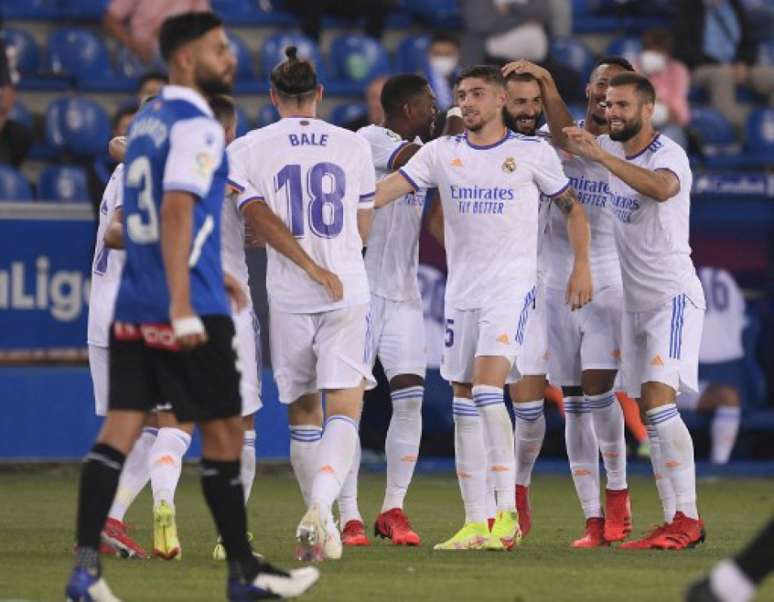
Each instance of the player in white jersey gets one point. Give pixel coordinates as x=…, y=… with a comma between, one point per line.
x=397, y=321
x=584, y=346
x=649, y=186
x=319, y=179
x=489, y=181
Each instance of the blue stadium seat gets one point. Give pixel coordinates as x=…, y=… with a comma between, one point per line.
x=77, y=125
x=82, y=55
x=21, y=114
x=27, y=54
x=766, y=53
x=84, y=9
x=759, y=137
x=13, y=185
x=267, y=115
x=713, y=132
x=625, y=46
x=440, y=14
x=244, y=69
x=273, y=51
x=346, y=112
x=573, y=54
x=411, y=54
x=358, y=59
x=242, y=122
x=65, y=183
x=38, y=10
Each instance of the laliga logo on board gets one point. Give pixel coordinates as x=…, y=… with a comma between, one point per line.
x=509, y=165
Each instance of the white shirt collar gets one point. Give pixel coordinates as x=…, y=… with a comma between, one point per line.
x=171, y=92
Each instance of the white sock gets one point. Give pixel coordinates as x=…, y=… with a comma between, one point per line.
x=499, y=442
x=730, y=584
x=677, y=453
x=529, y=432
x=247, y=468
x=724, y=428
x=583, y=453
x=135, y=474
x=348, y=509
x=470, y=458
x=491, y=496
x=608, y=420
x=304, y=440
x=335, y=454
x=166, y=463
x=663, y=484
x=402, y=444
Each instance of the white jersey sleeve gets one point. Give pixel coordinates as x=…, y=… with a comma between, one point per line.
x=549, y=174
x=385, y=146
x=367, y=179
x=238, y=161
x=725, y=320
x=195, y=152
x=420, y=171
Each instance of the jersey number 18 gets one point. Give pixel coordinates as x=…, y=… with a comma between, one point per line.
x=326, y=184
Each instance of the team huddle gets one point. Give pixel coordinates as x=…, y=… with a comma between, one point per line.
x=568, y=259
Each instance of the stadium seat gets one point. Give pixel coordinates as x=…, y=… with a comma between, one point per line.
x=411, y=54
x=358, y=59
x=27, y=54
x=65, y=183
x=31, y=9
x=439, y=14
x=244, y=69
x=759, y=137
x=13, y=185
x=21, y=114
x=273, y=51
x=77, y=125
x=84, y=9
x=627, y=47
x=349, y=111
x=573, y=54
x=82, y=55
x=713, y=132
x=267, y=115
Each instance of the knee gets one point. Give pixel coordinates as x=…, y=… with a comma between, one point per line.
x=405, y=381
x=728, y=396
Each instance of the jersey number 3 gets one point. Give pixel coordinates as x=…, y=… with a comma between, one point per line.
x=326, y=185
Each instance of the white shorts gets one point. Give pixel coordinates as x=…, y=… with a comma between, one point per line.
x=662, y=345
x=248, y=340
x=585, y=339
x=398, y=336
x=690, y=400
x=315, y=352
x=99, y=366
x=533, y=357
x=497, y=329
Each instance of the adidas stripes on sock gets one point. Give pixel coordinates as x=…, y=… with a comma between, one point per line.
x=247, y=469
x=470, y=458
x=304, y=440
x=166, y=463
x=608, y=420
x=402, y=444
x=529, y=433
x=498, y=434
x=583, y=453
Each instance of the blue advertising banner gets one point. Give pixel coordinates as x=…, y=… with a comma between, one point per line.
x=45, y=264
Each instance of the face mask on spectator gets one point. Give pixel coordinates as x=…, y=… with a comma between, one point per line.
x=443, y=65
x=652, y=61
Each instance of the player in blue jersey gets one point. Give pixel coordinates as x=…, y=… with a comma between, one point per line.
x=172, y=336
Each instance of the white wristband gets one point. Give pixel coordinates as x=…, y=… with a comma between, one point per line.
x=187, y=326
x=454, y=112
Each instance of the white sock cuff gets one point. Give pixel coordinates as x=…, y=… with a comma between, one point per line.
x=408, y=394
x=177, y=433
x=305, y=433
x=599, y=402
x=345, y=419
x=575, y=404
x=249, y=438
x=529, y=410
x=487, y=395
x=728, y=412
x=462, y=406
x=662, y=414
x=728, y=582
x=150, y=431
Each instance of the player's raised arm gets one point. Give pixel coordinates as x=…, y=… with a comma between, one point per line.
x=390, y=188
x=435, y=218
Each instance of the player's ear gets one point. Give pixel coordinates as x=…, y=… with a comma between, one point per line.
x=273, y=97
x=318, y=93
x=646, y=110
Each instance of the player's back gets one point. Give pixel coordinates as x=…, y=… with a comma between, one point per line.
x=174, y=145
x=315, y=177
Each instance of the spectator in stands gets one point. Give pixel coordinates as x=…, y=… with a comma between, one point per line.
x=443, y=59
x=150, y=84
x=671, y=80
x=103, y=166
x=15, y=137
x=136, y=23
x=373, y=99
x=311, y=13
x=499, y=31
x=715, y=40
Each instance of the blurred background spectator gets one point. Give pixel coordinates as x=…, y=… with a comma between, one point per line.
x=15, y=137
x=373, y=99
x=104, y=164
x=150, y=84
x=311, y=13
x=715, y=40
x=671, y=80
x=443, y=65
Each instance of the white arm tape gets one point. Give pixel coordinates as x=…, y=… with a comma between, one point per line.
x=187, y=326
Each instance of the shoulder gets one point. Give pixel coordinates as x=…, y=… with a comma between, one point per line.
x=664, y=148
x=377, y=134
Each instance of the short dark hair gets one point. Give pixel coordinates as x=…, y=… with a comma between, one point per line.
x=149, y=75
x=642, y=86
x=181, y=29
x=294, y=77
x=489, y=73
x=521, y=77
x=445, y=37
x=401, y=89
x=122, y=112
x=223, y=107
x=614, y=60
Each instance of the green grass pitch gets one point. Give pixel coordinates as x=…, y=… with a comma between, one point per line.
x=37, y=521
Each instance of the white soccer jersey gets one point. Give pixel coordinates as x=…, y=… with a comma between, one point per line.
x=392, y=256
x=106, y=266
x=725, y=320
x=232, y=240
x=490, y=198
x=589, y=180
x=315, y=177
x=652, y=236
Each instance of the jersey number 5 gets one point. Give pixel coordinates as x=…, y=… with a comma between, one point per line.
x=326, y=185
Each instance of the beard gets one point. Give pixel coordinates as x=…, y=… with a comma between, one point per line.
x=600, y=121
x=212, y=85
x=512, y=123
x=629, y=131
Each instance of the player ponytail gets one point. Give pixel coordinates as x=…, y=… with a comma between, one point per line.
x=294, y=78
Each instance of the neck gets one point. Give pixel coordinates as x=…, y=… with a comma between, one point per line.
x=177, y=78
x=492, y=132
x=640, y=142
x=399, y=126
x=304, y=110
x=590, y=125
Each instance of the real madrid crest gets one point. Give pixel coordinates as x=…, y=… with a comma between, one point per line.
x=509, y=165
